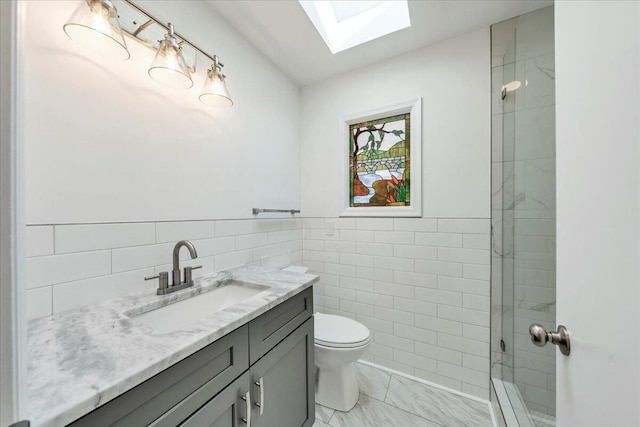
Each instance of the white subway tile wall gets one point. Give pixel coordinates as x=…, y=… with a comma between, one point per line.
x=73, y=265
x=39, y=240
x=72, y=238
x=421, y=285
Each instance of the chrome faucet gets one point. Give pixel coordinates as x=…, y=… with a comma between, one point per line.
x=177, y=284
x=176, y=260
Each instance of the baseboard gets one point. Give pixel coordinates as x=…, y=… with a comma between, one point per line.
x=431, y=384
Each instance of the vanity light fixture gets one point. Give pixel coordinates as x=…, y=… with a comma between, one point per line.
x=94, y=25
x=97, y=24
x=215, y=92
x=168, y=67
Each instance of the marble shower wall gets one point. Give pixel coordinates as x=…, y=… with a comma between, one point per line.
x=523, y=204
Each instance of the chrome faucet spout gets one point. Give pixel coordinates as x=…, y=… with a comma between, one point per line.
x=176, y=252
x=177, y=284
x=176, y=258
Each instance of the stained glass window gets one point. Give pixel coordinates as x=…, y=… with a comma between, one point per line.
x=380, y=162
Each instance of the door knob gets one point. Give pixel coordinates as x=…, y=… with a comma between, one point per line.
x=539, y=336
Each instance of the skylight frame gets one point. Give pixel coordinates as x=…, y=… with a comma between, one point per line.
x=384, y=18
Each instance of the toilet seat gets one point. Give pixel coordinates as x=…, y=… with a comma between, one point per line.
x=339, y=332
x=343, y=346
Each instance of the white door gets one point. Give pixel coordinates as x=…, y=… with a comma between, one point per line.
x=12, y=316
x=598, y=211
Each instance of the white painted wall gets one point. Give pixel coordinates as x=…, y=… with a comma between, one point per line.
x=106, y=143
x=453, y=79
x=598, y=159
x=421, y=285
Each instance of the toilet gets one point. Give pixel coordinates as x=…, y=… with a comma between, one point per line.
x=339, y=342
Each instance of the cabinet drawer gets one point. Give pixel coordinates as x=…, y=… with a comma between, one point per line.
x=273, y=326
x=207, y=371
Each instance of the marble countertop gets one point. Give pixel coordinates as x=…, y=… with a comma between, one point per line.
x=82, y=358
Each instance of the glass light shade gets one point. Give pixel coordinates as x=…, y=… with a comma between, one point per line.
x=169, y=67
x=94, y=25
x=215, y=92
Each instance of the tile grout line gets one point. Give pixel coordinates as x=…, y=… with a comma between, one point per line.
x=330, y=418
x=386, y=392
x=436, y=422
x=405, y=411
x=52, y=297
x=51, y=301
x=427, y=383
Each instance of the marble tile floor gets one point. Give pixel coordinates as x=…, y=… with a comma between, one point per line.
x=395, y=401
x=542, y=420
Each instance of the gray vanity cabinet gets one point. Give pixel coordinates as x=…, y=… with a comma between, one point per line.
x=261, y=374
x=281, y=384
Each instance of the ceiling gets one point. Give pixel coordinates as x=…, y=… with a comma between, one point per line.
x=284, y=33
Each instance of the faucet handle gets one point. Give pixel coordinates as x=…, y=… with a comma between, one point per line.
x=187, y=273
x=164, y=279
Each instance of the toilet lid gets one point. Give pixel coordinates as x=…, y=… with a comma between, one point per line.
x=338, y=331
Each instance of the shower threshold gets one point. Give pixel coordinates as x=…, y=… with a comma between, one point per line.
x=514, y=409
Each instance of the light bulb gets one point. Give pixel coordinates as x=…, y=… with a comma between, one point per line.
x=168, y=66
x=94, y=25
x=214, y=91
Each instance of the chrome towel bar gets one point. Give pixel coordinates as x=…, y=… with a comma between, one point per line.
x=256, y=211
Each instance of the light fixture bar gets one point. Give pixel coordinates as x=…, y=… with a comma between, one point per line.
x=152, y=43
x=142, y=28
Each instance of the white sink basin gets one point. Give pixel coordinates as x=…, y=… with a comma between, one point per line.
x=180, y=314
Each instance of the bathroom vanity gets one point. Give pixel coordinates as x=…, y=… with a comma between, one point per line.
x=250, y=363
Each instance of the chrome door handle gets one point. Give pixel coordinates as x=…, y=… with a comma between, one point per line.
x=247, y=403
x=539, y=336
x=260, y=384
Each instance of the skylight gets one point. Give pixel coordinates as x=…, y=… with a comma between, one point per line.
x=345, y=24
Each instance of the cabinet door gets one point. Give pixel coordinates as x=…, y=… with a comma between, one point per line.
x=227, y=409
x=282, y=382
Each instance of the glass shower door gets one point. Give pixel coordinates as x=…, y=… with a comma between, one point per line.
x=523, y=215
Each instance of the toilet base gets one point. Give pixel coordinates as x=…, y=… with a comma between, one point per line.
x=337, y=388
